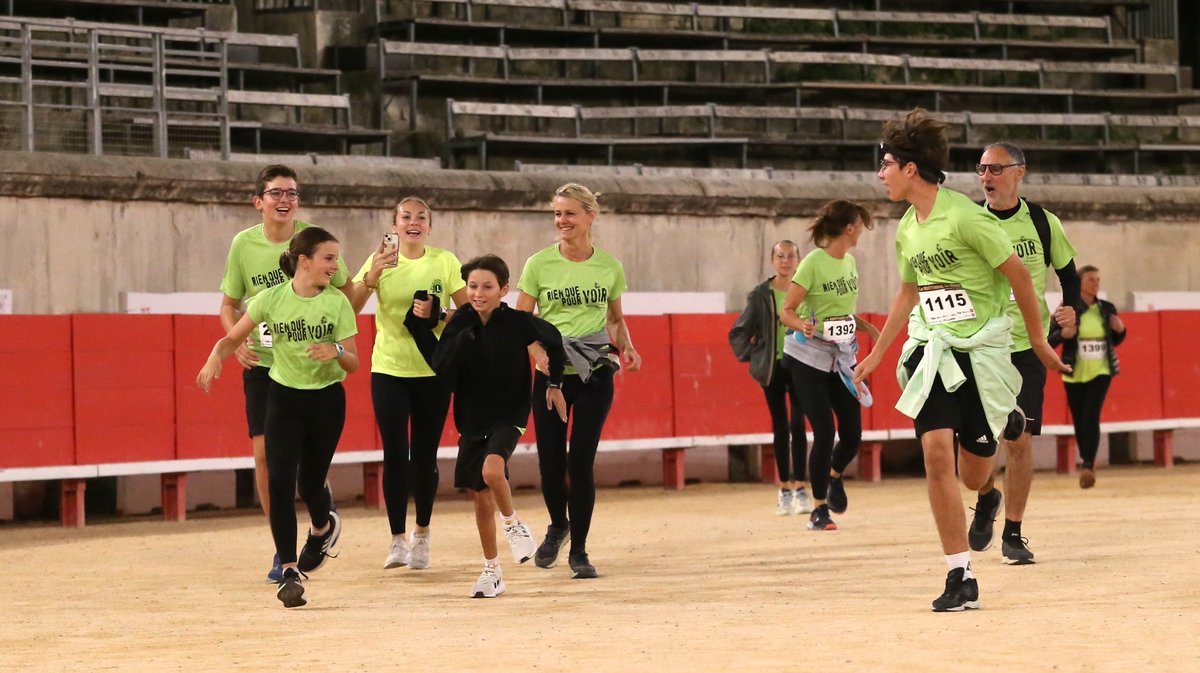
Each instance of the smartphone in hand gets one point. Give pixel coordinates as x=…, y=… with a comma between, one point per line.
x=391, y=242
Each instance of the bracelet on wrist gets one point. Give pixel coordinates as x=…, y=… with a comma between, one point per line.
x=341, y=350
x=370, y=286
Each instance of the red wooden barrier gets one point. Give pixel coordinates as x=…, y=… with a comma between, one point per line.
x=212, y=425
x=1133, y=395
x=37, y=414
x=713, y=392
x=642, y=400
x=1179, y=364
x=124, y=388
x=360, y=433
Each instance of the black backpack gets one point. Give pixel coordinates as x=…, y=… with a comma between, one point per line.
x=1040, y=222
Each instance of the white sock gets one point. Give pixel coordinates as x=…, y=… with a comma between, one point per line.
x=492, y=564
x=960, y=560
x=509, y=519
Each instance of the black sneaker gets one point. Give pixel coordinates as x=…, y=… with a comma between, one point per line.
x=819, y=519
x=317, y=547
x=960, y=594
x=837, y=496
x=581, y=566
x=1016, y=551
x=1015, y=426
x=552, y=544
x=291, y=591
x=986, y=508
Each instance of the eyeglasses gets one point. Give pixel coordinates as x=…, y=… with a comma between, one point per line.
x=279, y=194
x=884, y=163
x=994, y=169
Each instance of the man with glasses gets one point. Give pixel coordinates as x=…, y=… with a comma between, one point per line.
x=251, y=267
x=1039, y=241
x=957, y=265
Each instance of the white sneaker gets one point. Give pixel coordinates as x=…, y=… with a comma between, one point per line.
x=522, y=542
x=418, y=551
x=397, y=554
x=800, y=502
x=784, y=507
x=489, y=585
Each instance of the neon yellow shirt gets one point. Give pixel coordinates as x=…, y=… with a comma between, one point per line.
x=782, y=330
x=1028, y=246
x=439, y=273
x=295, y=323
x=959, y=244
x=253, y=266
x=573, y=296
x=831, y=285
x=1091, y=333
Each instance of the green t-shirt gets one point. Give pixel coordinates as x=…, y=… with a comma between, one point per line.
x=295, y=322
x=1091, y=358
x=780, y=296
x=831, y=286
x=437, y=272
x=1028, y=246
x=253, y=266
x=958, y=246
x=573, y=296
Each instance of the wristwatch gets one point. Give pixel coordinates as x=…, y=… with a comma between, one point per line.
x=340, y=349
x=551, y=384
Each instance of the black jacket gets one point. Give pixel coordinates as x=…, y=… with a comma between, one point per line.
x=754, y=333
x=1070, y=347
x=487, y=366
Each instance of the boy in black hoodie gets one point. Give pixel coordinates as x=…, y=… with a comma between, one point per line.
x=483, y=357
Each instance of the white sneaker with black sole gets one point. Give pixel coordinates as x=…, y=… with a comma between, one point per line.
x=521, y=540
x=783, y=506
x=489, y=585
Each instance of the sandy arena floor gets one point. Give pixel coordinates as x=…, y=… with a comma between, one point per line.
x=704, y=580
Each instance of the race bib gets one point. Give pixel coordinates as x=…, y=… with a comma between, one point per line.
x=264, y=335
x=1092, y=349
x=839, y=329
x=945, y=303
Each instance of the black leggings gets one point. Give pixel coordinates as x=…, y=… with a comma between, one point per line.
x=302, y=431
x=1086, y=400
x=424, y=401
x=791, y=443
x=587, y=405
x=823, y=396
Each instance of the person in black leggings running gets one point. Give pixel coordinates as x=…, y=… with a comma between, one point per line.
x=313, y=328
x=409, y=279
x=757, y=337
x=576, y=287
x=1091, y=347
x=821, y=351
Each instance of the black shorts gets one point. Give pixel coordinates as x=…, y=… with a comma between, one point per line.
x=256, y=381
x=472, y=451
x=960, y=410
x=1033, y=388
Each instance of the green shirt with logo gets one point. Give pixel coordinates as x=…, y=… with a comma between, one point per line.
x=1091, y=333
x=439, y=273
x=959, y=244
x=1028, y=246
x=253, y=266
x=831, y=286
x=296, y=323
x=573, y=296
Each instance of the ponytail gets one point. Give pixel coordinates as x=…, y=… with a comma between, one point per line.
x=304, y=243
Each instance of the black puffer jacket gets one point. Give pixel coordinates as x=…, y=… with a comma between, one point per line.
x=754, y=333
x=1070, y=347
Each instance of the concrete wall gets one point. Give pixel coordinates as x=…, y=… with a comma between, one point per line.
x=80, y=231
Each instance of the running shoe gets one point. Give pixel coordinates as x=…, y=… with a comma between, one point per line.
x=1015, y=551
x=801, y=504
x=819, y=519
x=418, y=551
x=837, y=496
x=489, y=585
x=317, y=549
x=986, y=508
x=547, y=553
x=783, y=505
x=397, y=553
x=581, y=566
x=291, y=590
x=960, y=594
x=521, y=540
